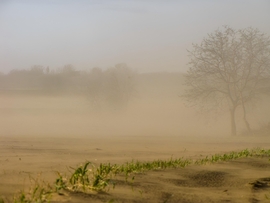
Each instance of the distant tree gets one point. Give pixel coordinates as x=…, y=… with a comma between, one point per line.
x=2, y=80
x=69, y=70
x=230, y=68
x=94, y=87
x=119, y=85
x=47, y=70
x=36, y=70
x=113, y=87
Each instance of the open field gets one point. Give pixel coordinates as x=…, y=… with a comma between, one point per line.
x=41, y=157
x=41, y=135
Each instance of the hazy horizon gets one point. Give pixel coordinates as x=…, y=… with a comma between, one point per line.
x=149, y=36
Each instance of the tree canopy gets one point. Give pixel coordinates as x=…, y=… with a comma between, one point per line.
x=230, y=68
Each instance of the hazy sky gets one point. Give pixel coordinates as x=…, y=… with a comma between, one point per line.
x=148, y=35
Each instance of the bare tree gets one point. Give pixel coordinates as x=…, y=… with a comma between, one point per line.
x=230, y=68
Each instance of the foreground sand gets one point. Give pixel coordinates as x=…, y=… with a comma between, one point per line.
x=22, y=157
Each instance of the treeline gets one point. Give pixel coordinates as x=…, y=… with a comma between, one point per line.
x=114, y=86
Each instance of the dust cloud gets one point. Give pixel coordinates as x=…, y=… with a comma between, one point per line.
x=106, y=103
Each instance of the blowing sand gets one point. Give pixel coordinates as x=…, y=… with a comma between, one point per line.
x=41, y=135
x=23, y=156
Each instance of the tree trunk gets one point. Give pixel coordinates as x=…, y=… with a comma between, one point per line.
x=245, y=118
x=244, y=115
x=233, y=124
x=246, y=122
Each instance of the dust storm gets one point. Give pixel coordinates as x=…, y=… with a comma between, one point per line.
x=154, y=108
x=134, y=101
x=47, y=128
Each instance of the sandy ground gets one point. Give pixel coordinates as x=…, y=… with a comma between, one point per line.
x=22, y=157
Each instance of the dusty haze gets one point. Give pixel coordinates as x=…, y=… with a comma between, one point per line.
x=102, y=80
x=44, y=131
x=155, y=108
